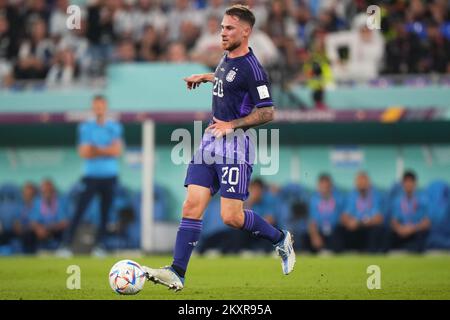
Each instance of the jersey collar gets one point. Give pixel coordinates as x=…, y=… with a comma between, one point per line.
x=250, y=52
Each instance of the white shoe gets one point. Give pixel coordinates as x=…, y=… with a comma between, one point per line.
x=165, y=276
x=285, y=250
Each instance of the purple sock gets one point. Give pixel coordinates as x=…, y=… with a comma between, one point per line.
x=261, y=228
x=187, y=238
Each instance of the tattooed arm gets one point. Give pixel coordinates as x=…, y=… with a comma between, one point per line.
x=258, y=117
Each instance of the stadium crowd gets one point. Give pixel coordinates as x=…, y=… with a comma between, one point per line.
x=364, y=219
x=314, y=41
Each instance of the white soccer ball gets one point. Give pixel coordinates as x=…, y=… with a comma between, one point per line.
x=127, y=277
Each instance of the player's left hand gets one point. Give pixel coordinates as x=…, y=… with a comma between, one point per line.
x=220, y=128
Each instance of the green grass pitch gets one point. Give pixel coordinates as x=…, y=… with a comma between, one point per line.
x=334, y=277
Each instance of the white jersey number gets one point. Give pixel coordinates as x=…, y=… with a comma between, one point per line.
x=218, y=87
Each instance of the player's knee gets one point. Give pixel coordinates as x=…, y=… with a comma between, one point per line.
x=191, y=209
x=232, y=219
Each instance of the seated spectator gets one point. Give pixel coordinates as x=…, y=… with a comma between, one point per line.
x=125, y=52
x=437, y=49
x=259, y=9
x=325, y=209
x=208, y=50
x=7, y=52
x=280, y=26
x=77, y=42
x=100, y=33
x=123, y=19
x=22, y=221
x=264, y=48
x=410, y=222
x=261, y=201
x=362, y=219
x=403, y=52
x=150, y=48
x=305, y=27
x=35, y=53
x=48, y=219
x=34, y=9
x=58, y=18
x=182, y=12
x=64, y=70
x=214, y=8
x=148, y=12
x=176, y=53
x=190, y=34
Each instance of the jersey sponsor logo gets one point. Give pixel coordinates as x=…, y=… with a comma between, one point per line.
x=263, y=92
x=231, y=75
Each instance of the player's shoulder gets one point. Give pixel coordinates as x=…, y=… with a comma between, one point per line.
x=253, y=67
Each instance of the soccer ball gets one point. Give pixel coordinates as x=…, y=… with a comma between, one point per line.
x=127, y=277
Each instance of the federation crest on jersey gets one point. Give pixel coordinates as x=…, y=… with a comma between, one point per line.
x=231, y=75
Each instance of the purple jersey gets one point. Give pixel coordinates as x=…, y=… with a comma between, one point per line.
x=240, y=84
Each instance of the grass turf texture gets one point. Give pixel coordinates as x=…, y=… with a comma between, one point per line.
x=336, y=277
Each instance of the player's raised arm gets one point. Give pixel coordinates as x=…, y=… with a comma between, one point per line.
x=195, y=80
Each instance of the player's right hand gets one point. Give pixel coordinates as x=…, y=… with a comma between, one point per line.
x=194, y=81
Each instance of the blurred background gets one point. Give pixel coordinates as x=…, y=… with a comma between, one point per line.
x=364, y=120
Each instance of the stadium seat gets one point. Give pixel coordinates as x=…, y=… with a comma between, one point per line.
x=9, y=192
x=295, y=198
x=212, y=222
x=9, y=205
x=438, y=193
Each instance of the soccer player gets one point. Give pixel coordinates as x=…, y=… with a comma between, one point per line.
x=100, y=145
x=241, y=99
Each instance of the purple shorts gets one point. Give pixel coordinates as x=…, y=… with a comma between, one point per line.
x=231, y=179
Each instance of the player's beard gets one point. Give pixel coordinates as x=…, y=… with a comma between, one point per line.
x=233, y=46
